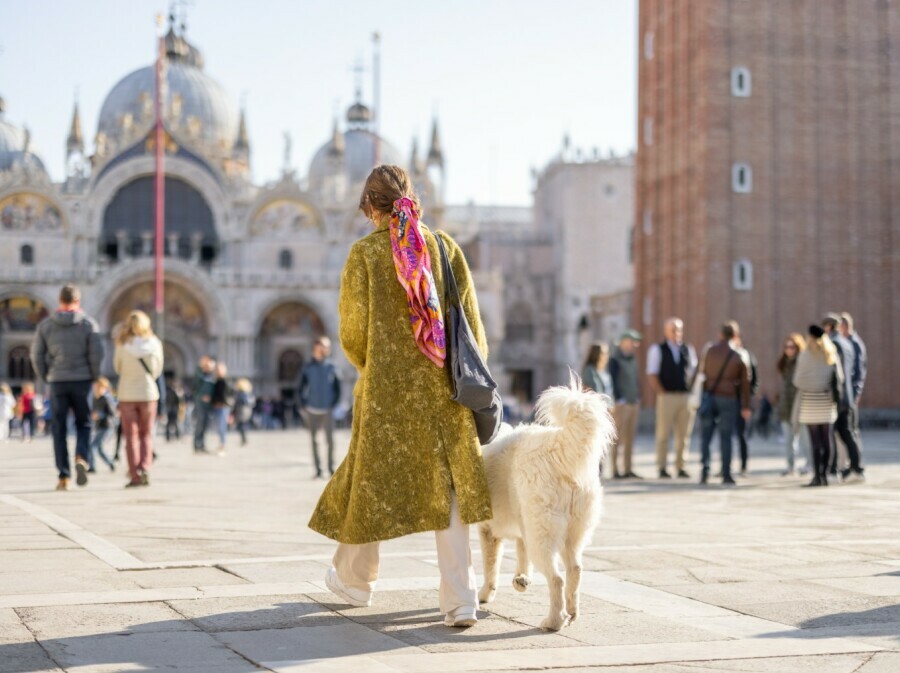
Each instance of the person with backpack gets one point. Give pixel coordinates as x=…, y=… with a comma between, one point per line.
x=67, y=353
x=138, y=361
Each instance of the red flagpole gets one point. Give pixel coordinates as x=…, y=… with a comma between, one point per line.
x=160, y=202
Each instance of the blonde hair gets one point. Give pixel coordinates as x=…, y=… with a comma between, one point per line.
x=137, y=324
x=28, y=387
x=103, y=382
x=823, y=348
x=385, y=185
x=243, y=385
x=5, y=389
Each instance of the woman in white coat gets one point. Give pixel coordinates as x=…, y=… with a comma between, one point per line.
x=138, y=361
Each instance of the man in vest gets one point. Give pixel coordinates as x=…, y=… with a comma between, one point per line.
x=670, y=370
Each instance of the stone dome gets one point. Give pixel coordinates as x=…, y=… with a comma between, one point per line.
x=15, y=145
x=196, y=107
x=356, y=158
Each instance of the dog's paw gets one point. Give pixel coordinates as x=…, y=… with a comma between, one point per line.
x=555, y=622
x=487, y=594
x=521, y=582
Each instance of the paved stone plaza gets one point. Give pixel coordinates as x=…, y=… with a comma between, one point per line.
x=213, y=570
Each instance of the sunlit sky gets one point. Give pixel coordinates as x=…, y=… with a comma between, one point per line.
x=507, y=79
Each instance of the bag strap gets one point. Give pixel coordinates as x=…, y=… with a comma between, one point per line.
x=451, y=288
x=721, y=371
x=146, y=368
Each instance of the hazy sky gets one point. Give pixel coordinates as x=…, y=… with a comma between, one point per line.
x=506, y=78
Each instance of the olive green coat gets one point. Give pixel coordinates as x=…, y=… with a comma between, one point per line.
x=410, y=443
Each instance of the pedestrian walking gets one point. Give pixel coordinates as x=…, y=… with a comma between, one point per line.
x=623, y=370
x=7, y=410
x=221, y=405
x=174, y=410
x=820, y=383
x=594, y=374
x=103, y=414
x=66, y=353
x=726, y=394
x=857, y=383
x=26, y=411
x=670, y=367
x=138, y=361
x=741, y=426
x=319, y=391
x=204, y=381
x=794, y=434
x=414, y=462
x=243, y=407
x=846, y=423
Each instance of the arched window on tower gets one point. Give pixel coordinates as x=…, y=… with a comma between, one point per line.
x=742, y=178
x=741, y=84
x=26, y=255
x=286, y=260
x=742, y=275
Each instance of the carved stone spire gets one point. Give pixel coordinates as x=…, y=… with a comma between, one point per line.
x=75, y=141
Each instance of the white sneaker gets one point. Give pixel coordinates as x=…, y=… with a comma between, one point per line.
x=461, y=618
x=355, y=597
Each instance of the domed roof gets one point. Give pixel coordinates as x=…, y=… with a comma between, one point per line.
x=15, y=145
x=195, y=106
x=357, y=158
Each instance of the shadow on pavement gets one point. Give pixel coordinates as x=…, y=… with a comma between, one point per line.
x=233, y=642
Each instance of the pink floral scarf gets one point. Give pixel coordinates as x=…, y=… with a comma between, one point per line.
x=413, y=264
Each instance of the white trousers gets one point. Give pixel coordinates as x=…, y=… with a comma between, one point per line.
x=357, y=565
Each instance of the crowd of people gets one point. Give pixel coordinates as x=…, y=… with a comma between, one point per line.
x=822, y=378
x=67, y=353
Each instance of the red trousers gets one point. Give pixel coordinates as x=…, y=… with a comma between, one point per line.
x=137, y=428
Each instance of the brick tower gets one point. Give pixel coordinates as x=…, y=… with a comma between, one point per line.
x=768, y=173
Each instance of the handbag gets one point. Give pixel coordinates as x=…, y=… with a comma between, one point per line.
x=473, y=386
x=707, y=401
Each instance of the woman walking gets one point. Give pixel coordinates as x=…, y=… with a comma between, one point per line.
x=594, y=374
x=221, y=405
x=414, y=462
x=7, y=410
x=138, y=361
x=819, y=379
x=243, y=407
x=794, y=434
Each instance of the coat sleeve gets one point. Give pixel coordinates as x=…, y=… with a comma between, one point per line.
x=39, y=354
x=613, y=368
x=467, y=295
x=117, y=360
x=156, y=365
x=336, y=381
x=353, y=308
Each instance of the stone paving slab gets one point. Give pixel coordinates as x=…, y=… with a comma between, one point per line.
x=212, y=569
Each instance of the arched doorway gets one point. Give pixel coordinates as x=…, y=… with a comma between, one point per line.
x=284, y=344
x=19, y=317
x=186, y=335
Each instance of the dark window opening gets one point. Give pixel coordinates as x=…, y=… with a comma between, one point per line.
x=18, y=365
x=26, y=254
x=286, y=260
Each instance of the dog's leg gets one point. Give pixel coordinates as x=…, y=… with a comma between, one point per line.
x=572, y=558
x=545, y=542
x=523, y=566
x=491, y=553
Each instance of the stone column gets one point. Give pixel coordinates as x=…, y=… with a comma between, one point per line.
x=196, y=240
x=147, y=243
x=122, y=244
x=173, y=244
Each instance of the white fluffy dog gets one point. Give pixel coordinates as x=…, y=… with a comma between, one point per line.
x=546, y=494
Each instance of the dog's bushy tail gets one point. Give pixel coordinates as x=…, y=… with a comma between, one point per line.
x=579, y=409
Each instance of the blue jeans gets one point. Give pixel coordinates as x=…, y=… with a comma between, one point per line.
x=100, y=435
x=75, y=396
x=221, y=415
x=725, y=410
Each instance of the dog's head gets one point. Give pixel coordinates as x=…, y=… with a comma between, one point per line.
x=578, y=409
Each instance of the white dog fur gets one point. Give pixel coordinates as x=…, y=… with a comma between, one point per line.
x=546, y=494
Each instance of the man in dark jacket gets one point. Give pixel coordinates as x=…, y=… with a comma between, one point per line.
x=623, y=370
x=67, y=353
x=728, y=382
x=204, y=382
x=844, y=426
x=319, y=391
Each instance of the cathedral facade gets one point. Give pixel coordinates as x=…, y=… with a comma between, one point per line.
x=252, y=272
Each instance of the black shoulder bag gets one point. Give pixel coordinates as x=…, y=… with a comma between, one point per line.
x=473, y=386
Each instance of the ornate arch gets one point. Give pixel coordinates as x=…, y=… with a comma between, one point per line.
x=281, y=210
x=105, y=189
x=112, y=286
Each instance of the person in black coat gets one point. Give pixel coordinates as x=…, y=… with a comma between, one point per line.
x=848, y=411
